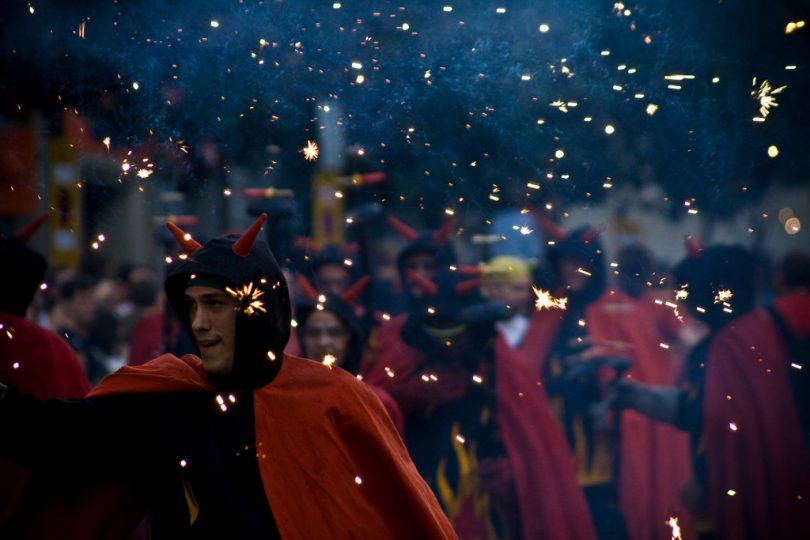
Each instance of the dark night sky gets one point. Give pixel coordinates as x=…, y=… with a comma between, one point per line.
x=475, y=85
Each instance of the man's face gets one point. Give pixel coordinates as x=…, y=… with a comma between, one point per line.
x=332, y=279
x=515, y=294
x=324, y=333
x=423, y=264
x=212, y=313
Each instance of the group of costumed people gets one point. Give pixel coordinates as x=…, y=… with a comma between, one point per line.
x=566, y=420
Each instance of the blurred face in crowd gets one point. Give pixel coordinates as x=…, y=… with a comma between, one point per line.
x=324, y=333
x=572, y=273
x=516, y=294
x=82, y=307
x=212, y=313
x=332, y=279
x=423, y=264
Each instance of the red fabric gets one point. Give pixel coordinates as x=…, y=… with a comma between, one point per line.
x=340, y=469
x=551, y=502
x=147, y=339
x=47, y=368
x=655, y=459
x=765, y=460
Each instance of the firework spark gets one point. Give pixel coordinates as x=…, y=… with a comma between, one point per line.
x=723, y=296
x=545, y=300
x=310, y=151
x=248, y=299
x=765, y=97
x=676, y=528
x=329, y=360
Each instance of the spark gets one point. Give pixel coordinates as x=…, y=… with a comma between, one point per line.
x=731, y=493
x=583, y=272
x=652, y=108
x=545, y=300
x=732, y=426
x=609, y=129
x=525, y=230
x=676, y=528
x=310, y=151
x=773, y=151
x=682, y=293
x=544, y=28
x=16, y=365
x=249, y=299
x=789, y=27
x=358, y=480
x=460, y=438
x=329, y=360
x=214, y=24
x=723, y=296
x=82, y=29
x=477, y=379
x=106, y=142
x=144, y=173
x=765, y=96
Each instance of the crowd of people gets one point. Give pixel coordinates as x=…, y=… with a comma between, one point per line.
x=549, y=393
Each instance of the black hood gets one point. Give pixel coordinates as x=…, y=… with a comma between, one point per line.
x=260, y=336
x=582, y=245
x=343, y=311
x=21, y=273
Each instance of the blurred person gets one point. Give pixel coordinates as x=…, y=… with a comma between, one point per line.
x=241, y=441
x=743, y=398
x=78, y=312
x=332, y=333
x=630, y=468
x=477, y=424
x=33, y=359
x=507, y=280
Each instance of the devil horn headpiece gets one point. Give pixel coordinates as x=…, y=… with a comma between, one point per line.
x=552, y=230
x=424, y=283
x=306, y=287
x=440, y=236
x=187, y=243
x=354, y=291
x=244, y=245
x=406, y=231
x=25, y=234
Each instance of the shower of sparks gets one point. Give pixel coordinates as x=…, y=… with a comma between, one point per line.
x=248, y=298
x=723, y=296
x=310, y=151
x=545, y=300
x=676, y=528
x=765, y=97
x=329, y=361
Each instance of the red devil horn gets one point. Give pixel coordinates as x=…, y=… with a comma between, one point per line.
x=244, y=245
x=589, y=235
x=552, y=230
x=694, y=245
x=25, y=234
x=407, y=232
x=187, y=243
x=440, y=236
x=466, y=287
x=354, y=291
x=469, y=270
x=306, y=287
x=424, y=283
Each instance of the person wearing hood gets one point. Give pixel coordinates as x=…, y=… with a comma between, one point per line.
x=33, y=359
x=240, y=441
x=743, y=398
x=629, y=467
x=477, y=424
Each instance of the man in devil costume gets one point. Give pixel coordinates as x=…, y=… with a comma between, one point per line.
x=629, y=467
x=240, y=442
x=743, y=398
x=477, y=424
x=33, y=359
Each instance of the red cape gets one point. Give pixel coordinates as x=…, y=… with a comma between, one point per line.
x=332, y=463
x=551, y=503
x=47, y=368
x=765, y=460
x=655, y=459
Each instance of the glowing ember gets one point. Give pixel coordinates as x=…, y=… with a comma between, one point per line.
x=682, y=293
x=676, y=528
x=545, y=300
x=764, y=95
x=248, y=298
x=329, y=361
x=723, y=296
x=310, y=151
x=358, y=480
x=106, y=142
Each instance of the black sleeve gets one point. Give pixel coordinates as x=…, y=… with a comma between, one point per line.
x=68, y=434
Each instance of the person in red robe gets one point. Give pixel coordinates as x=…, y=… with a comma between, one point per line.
x=32, y=358
x=477, y=422
x=743, y=399
x=630, y=467
x=241, y=441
